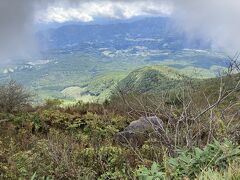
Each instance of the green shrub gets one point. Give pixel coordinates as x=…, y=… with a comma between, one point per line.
x=108, y=162
x=191, y=163
x=53, y=103
x=80, y=107
x=150, y=174
x=26, y=163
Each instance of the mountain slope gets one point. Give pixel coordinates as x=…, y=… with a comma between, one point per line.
x=150, y=79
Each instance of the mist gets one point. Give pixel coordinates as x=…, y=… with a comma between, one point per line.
x=213, y=20
x=16, y=38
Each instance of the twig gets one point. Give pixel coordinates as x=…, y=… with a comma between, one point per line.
x=4, y=120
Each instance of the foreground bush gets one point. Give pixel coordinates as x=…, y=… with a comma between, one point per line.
x=196, y=163
x=13, y=97
x=82, y=146
x=198, y=139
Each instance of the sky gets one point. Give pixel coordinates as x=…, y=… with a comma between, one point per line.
x=214, y=20
x=62, y=11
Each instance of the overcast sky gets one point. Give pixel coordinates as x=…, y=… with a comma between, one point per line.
x=62, y=11
x=214, y=20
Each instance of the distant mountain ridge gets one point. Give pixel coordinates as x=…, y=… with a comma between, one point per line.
x=153, y=33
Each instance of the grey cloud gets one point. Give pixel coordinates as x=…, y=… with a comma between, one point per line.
x=15, y=25
x=214, y=20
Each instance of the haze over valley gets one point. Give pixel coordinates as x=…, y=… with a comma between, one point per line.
x=82, y=61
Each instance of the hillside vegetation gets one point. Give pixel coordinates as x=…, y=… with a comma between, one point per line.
x=198, y=137
x=151, y=79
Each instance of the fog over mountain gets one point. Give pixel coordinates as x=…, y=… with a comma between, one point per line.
x=213, y=20
x=16, y=19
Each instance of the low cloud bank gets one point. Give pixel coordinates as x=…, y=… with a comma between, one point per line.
x=213, y=20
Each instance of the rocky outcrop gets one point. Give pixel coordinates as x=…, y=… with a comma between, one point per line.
x=139, y=131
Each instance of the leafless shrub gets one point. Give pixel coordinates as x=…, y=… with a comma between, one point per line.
x=13, y=97
x=234, y=64
x=61, y=149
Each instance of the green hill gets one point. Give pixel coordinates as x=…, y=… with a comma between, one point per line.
x=151, y=79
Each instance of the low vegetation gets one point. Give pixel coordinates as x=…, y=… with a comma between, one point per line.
x=198, y=139
x=13, y=97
